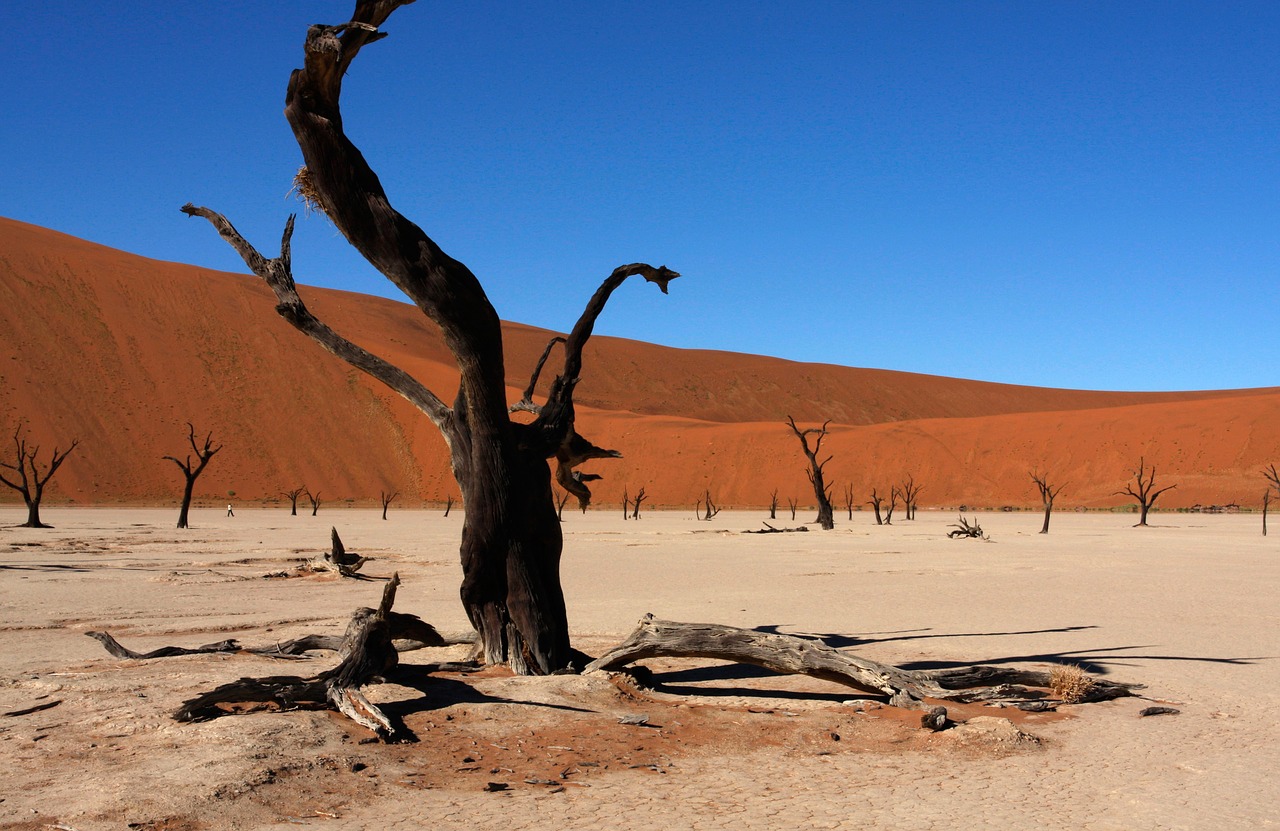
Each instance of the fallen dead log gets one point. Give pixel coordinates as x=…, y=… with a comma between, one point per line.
x=769, y=529
x=792, y=655
x=408, y=632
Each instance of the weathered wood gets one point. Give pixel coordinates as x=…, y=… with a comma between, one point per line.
x=367, y=655
x=788, y=654
x=1146, y=493
x=769, y=529
x=191, y=470
x=966, y=529
x=339, y=560
x=1048, y=493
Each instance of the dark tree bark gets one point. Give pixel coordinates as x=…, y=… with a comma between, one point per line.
x=314, y=499
x=1048, y=493
x=386, y=501
x=773, y=504
x=448, y=505
x=791, y=503
x=1146, y=492
x=910, y=492
x=635, y=513
x=293, y=500
x=1266, y=503
x=511, y=539
x=25, y=476
x=626, y=505
x=712, y=509
x=875, y=502
x=560, y=500
x=894, y=495
x=821, y=492
x=848, y=500
x=192, y=470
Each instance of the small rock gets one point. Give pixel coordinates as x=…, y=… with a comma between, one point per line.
x=935, y=719
x=496, y=786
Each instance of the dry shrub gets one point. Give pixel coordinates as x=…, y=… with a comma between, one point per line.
x=306, y=190
x=1070, y=683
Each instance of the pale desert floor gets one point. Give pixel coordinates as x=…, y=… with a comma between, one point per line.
x=1189, y=608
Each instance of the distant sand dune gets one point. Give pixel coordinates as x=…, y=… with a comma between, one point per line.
x=120, y=351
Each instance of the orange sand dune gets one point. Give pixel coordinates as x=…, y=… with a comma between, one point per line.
x=121, y=351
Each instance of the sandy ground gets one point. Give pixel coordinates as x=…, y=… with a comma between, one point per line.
x=1188, y=607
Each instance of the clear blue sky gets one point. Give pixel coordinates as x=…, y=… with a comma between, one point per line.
x=1067, y=194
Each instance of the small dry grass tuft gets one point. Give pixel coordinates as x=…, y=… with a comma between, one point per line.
x=1070, y=683
x=306, y=190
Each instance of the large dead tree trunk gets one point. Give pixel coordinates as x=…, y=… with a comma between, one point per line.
x=192, y=470
x=821, y=492
x=1146, y=492
x=1048, y=493
x=511, y=538
x=875, y=502
x=25, y=477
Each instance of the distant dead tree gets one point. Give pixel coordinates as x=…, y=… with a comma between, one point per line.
x=192, y=470
x=293, y=500
x=560, y=500
x=791, y=503
x=966, y=529
x=626, y=505
x=25, y=477
x=448, y=505
x=848, y=500
x=894, y=496
x=1048, y=493
x=1273, y=482
x=821, y=492
x=910, y=492
x=635, y=514
x=386, y=501
x=314, y=498
x=712, y=510
x=1146, y=492
x=773, y=504
x=875, y=502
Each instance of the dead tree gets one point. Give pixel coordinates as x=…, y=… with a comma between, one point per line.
x=791, y=503
x=25, y=476
x=626, y=505
x=192, y=470
x=639, y=497
x=386, y=501
x=1273, y=482
x=1048, y=493
x=711, y=511
x=293, y=500
x=894, y=495
x=314, y=499
x=910, y=492
x=875, y=502
x=773, y=504
x=967, y=529
x=511, y=540
x=821, y=492
x=848, y=500
x=1146, y=492
x=560, y=500
x=448, y=505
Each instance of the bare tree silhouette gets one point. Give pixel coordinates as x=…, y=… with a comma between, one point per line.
x=25, y=476
x=192, y=470
x=1146, y=492
x=821, y=491
x=1048, y=493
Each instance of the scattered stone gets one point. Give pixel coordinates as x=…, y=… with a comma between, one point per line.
x=492, y=787
x=994, y=730
x=935, y=719
x=638, y=720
